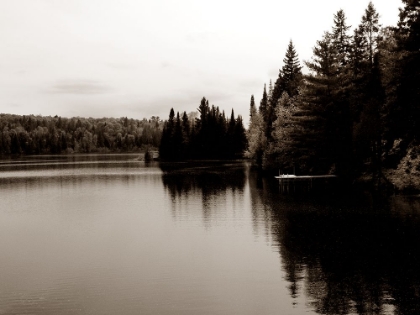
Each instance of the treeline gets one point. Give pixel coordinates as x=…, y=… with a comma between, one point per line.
x=209, y=136
x=39, y=134
x=357, y=111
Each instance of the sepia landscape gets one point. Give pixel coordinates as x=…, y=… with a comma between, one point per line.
x=210, y=158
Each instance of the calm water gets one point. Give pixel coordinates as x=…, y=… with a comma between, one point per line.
x=112, y=235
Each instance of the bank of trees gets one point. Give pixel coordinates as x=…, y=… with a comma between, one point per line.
x=40, y=135
x=359, y=101
x=210, y=136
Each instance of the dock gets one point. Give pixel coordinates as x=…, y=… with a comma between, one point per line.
x=303, y=177
x=288, y=182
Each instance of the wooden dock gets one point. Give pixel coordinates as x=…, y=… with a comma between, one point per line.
x=302, y=177
x=289, y=182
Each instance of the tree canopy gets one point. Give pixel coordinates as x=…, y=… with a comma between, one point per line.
x=357, y=106
x=45, y=134
x=209, y=136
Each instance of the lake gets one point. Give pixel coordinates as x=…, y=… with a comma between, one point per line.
x=109, y=234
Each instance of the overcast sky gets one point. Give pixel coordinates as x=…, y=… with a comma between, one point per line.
x=138, y=58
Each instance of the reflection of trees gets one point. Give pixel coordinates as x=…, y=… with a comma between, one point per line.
x=345, y=259
x=203, y=180
x=261, y=211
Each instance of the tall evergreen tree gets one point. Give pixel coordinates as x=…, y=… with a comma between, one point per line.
x=185, y=124
x=166, y=147
x=369, y=127
x=341, y=39
x=255, y=136
x=283, y=147
x=186, y=133
x=240, y=141
x=264, y=104
x=278, y=90
x=358, y=53
x=369, y=28
x=407, y=109
x=252, y=108
x=171, y=120
x=367, y=95
x=270, y=93
x=323, y=68
x=321, y=86
x=291, y=71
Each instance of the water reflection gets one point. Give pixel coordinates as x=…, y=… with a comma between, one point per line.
x=197, y=238
x=347, y=256
x=211, y=186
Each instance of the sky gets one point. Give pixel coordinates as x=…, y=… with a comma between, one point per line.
x=138, y=58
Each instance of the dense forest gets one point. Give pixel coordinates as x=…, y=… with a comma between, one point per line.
x=209, y=136
x=355, y=113
x=37, y=134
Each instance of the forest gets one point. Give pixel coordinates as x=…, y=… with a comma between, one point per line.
x=51, y=135
x=209, y=136
x=355, y=113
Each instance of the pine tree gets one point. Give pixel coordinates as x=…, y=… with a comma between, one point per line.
x=202, y=129
x=369, y=127
x=264, y=105
x=166, y=147
x=240, y=141
x=178, y=139
x=256, y=139
x=282, y=148
x=369, y=28
x=291, y=71
x=270, y=93
x=358, y=53
x=252, y=108
x=278, y=90
x=185, y=124
x=289, y=80
x=323, y=68
x=231, y=135
x=323, y=108
x=171, y=120
x=407, y=112
x=341, y=39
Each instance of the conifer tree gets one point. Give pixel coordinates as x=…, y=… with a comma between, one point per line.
x=270, y=93
x=231, y=135
x=407, y=109
x=166, y=144
x=256, y=139
x=289, y=80
x=341, y=39
x=369, y=28
x=264, y=105
x=171, y=120
x=185, y=124
x=358, y=54
x=369, y=127
x=178, y=139
x=278, y=90
x=201, y=126
x=282, y=150
x=323, y=68
x=291, y=71
x=321, y=86
x=252, y=108
x=240, y=141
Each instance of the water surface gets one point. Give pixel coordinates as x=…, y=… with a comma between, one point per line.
x=109, y=234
